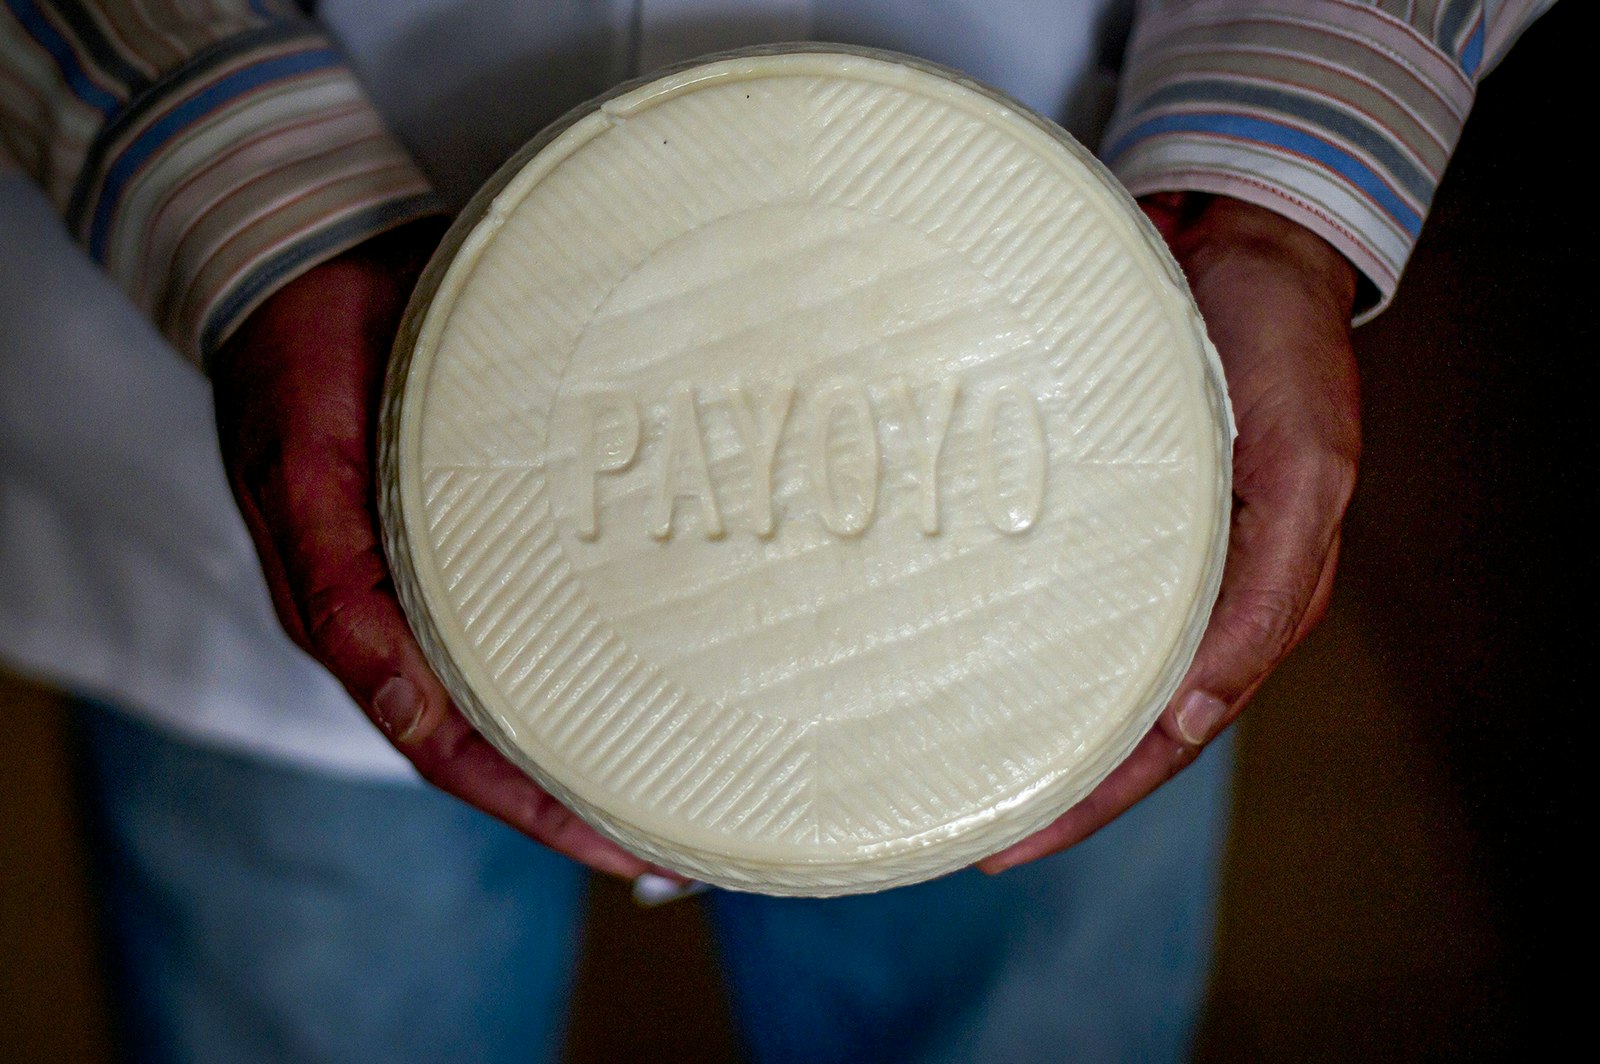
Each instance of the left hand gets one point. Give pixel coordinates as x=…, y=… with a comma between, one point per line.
x=296, y=400
x=1277, y=302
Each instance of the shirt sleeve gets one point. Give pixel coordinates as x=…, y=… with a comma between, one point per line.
x=1340, y=114
x=204, y=154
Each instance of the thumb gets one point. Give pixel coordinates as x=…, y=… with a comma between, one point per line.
x=328, y=541
x=1275, y=588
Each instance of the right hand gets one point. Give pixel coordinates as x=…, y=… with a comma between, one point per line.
x=296, y=390
x=1277, y=302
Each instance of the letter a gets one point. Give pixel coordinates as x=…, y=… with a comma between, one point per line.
x=684, y=448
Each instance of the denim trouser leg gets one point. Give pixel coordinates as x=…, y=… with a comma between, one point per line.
x=261, y=913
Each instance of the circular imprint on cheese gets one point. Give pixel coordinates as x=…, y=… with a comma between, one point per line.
x=810, y=467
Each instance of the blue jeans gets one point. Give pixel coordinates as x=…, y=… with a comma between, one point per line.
x=259, y=912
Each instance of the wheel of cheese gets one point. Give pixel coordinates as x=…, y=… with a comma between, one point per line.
x=809, y=466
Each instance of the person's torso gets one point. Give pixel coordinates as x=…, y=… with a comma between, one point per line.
x=124, y=569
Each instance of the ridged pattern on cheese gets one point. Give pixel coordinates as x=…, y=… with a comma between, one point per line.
x=808, y=466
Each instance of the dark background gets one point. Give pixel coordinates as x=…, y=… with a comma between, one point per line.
x=1402, y=872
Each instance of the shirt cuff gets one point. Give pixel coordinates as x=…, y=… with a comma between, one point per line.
x=1330, y=112
x=255, y=160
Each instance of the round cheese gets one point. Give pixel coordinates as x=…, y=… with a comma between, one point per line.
x=809, y=466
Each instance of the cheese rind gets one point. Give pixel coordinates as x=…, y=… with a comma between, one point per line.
x=809, y=466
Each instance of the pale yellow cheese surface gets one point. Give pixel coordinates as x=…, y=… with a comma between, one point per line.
x=810, y=468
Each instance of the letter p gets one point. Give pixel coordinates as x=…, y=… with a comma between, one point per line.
x=608, y=444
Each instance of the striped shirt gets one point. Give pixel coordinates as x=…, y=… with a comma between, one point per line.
x=1340, y=114
x=205, y=152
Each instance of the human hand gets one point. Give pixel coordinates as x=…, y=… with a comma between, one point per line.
x=296, y=392
x=1277, y=302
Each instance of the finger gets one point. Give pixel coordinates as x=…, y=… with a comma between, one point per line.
x=1323, y=595
x=272, y=570
x=1154, y=761
x=456, y=758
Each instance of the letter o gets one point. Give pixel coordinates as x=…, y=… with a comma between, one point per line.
x=851, y=401
x=1016, y=518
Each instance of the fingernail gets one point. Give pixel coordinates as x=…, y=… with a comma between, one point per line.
x=1000, y=862
x=399, y=707
x=1008, y=858
x=1198, y=716
x=651, y=890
